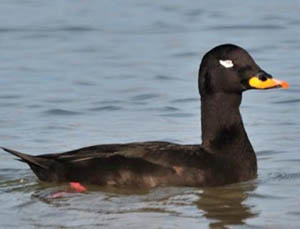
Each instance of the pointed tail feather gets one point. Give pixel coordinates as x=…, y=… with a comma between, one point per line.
x=31, y=160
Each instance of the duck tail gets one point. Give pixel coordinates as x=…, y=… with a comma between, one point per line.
x=29, y=159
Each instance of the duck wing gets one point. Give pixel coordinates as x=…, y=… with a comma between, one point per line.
x=138, y=164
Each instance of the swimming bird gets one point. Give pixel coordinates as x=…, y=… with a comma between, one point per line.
x=225, y=155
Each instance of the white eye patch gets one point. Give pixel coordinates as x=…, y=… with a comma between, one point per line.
x=226, y=63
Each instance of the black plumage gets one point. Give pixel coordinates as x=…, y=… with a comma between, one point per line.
x=225, y=155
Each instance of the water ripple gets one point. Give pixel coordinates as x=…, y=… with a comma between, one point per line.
x=12, y=104
x=58, y=100
x=286, y=176
x=247, y=27
x=61, y=112
x=288, y=101
x=74, y=28
x=185, y=100
x=163, y=77
x=16, y=180
x=178, y=115
x=10, y=96
x=185, y=54
x=145, y=96
x=84, y=83
x=108, y=101
x=106, y=108
x=162, y=109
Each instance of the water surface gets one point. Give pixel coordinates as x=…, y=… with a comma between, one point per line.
x=78, y=73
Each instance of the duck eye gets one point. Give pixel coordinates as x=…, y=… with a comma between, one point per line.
x=226, y=63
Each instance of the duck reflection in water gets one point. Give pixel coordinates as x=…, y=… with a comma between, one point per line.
x=226, y=206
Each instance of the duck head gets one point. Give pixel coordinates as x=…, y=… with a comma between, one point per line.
x=230, y=69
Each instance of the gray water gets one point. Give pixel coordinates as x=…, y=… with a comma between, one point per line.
x=78, y=73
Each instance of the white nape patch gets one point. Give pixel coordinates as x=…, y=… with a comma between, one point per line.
x=226, y=63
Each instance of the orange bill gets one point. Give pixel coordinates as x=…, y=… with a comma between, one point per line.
x=255, y=82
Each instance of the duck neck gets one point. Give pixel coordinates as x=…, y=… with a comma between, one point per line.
x=223, y=131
